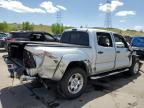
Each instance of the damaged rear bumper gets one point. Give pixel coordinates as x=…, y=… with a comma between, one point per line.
x=14, y=65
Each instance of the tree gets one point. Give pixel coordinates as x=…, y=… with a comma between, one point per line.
x=57, y=28
x=27, y=26
x=4, y=27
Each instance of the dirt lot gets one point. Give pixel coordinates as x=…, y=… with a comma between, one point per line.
x=119, y=91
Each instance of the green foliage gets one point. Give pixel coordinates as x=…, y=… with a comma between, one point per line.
x=4, y=27
x=15, y=27
x=57, y=28
x=44, y=28
x=27, y=26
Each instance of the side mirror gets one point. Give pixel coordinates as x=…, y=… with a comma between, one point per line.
x=129, y=47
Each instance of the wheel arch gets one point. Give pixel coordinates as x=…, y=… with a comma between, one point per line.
x=78, y=64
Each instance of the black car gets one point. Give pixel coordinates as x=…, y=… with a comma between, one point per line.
x=58, y=37
x=31, y=36
x=137, y=44
x=18, y=40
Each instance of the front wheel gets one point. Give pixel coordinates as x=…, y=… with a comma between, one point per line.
x=134, y=69
x=73, y=83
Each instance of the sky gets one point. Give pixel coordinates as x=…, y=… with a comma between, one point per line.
x=126, y=14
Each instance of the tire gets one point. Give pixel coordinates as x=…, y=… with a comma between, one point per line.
x=73, y=83
x=134, y=69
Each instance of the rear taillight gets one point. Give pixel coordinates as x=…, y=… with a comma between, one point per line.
x=28, y=60
x=11, y=40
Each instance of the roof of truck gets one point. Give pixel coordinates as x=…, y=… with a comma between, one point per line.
x=89, y=29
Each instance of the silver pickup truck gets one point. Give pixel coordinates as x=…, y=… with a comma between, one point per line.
x=82, y=54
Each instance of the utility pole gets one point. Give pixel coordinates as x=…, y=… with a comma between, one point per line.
x=108, y=18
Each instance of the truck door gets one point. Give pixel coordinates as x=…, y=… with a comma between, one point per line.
x=105, y=52
x=122, y=52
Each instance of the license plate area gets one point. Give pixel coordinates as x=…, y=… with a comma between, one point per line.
x=11, y=66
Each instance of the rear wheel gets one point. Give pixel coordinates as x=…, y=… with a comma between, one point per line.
x=73, y=83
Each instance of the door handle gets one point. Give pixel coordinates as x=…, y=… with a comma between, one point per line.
x=117, y=51
x=100, y=52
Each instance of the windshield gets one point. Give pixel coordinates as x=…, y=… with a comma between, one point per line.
x=138, y=42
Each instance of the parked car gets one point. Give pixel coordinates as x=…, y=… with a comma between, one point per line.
x=82, y=54
x=3, y=36
x=138, y=45
x=17, y=41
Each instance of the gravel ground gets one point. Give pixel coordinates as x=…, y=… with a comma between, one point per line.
x=119, y=91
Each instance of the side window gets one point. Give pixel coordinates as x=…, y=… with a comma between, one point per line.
x=37, y=37
x=104, y=39
x=119, y=41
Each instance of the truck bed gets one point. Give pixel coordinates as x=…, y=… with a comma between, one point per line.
x=16, y=48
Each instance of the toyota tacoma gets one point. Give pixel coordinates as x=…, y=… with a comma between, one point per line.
x=80, y=55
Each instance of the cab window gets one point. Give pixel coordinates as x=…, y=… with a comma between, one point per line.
x=120, y=42
x=104, y=39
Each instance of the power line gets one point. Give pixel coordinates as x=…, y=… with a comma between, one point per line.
x=59, y=17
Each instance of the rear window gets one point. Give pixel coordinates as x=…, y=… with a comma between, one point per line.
x=19, y=35
x=75, y=37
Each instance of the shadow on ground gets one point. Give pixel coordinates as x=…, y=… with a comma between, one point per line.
x=33, y=95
